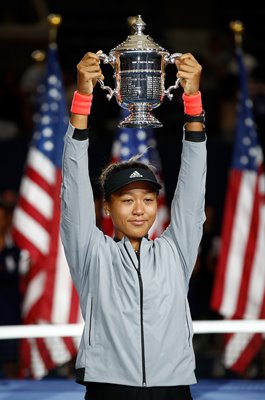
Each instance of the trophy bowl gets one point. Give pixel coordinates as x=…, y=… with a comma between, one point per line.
x=139, y=73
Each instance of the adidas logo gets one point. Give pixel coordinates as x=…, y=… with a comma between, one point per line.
x=135, y=174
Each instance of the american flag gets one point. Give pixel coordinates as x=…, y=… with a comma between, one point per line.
x=50, y=296
x=127, y=143
x=239, y=289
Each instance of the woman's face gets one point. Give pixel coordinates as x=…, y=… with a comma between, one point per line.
x=133, y=210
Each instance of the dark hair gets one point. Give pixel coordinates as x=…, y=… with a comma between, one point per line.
x=111, y=169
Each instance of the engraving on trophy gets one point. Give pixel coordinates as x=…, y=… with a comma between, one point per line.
x=139, y=72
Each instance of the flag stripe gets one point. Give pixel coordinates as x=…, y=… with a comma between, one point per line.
x=34, y=293
x=36, y=177
x=39, y=218
x=255, y=304
x=26, y=244
x=42, y=165
x=58, y=351
x=32, y=230
x=45, y=355
x=49, y=301
x=227, y=228
x=62, y=289
x=36, y=196
x=241, y=349
x=253, y=269
x=239, y=239
x=36, y=361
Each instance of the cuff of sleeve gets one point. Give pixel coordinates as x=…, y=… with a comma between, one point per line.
x=81, y=134
x=194, y=136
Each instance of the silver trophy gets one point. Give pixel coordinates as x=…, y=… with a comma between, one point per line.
x=139, y=73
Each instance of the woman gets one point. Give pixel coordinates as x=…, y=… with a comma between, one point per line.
x=137, y=339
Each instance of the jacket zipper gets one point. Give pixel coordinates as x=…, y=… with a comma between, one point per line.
x=90, y=323
x=138, y=270
x=142, y=324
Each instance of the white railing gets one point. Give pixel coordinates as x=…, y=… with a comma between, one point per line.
x=75, y=330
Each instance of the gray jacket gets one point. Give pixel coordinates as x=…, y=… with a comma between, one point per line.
x=138, y=328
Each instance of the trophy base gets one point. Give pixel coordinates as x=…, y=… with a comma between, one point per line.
x=140, y=120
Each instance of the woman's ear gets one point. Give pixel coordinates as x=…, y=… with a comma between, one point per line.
x=106, y=208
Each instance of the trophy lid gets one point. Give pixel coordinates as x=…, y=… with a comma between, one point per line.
x=138, y=41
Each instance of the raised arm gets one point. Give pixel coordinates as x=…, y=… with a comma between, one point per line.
x=187, y=210
x=78, y=221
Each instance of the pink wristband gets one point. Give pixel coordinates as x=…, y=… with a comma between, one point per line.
x=192, y=104
x=81, y=104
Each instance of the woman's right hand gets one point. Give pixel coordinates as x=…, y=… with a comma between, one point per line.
x=88, y=72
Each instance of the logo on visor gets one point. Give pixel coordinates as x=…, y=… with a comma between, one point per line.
x=135, y=174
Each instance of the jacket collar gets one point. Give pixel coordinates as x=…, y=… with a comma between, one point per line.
x=144, y=245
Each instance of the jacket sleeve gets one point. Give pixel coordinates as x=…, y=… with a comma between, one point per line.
x=78, y=219
x=187, y=208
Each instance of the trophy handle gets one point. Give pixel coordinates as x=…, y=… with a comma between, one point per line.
x=167, y=92
x=108, y=88
x=170, y=59
x=107, y=60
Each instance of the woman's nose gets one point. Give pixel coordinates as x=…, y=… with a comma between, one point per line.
x=138, y=208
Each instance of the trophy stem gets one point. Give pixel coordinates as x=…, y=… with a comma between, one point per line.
x=140, y=117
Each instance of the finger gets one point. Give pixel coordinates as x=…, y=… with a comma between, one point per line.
x=91, y=75
x=191, y=69
x=90, y=57
x=89, y=64
x=88, y=68
x=186, y=62
x=187, y=56
x=86, y=62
